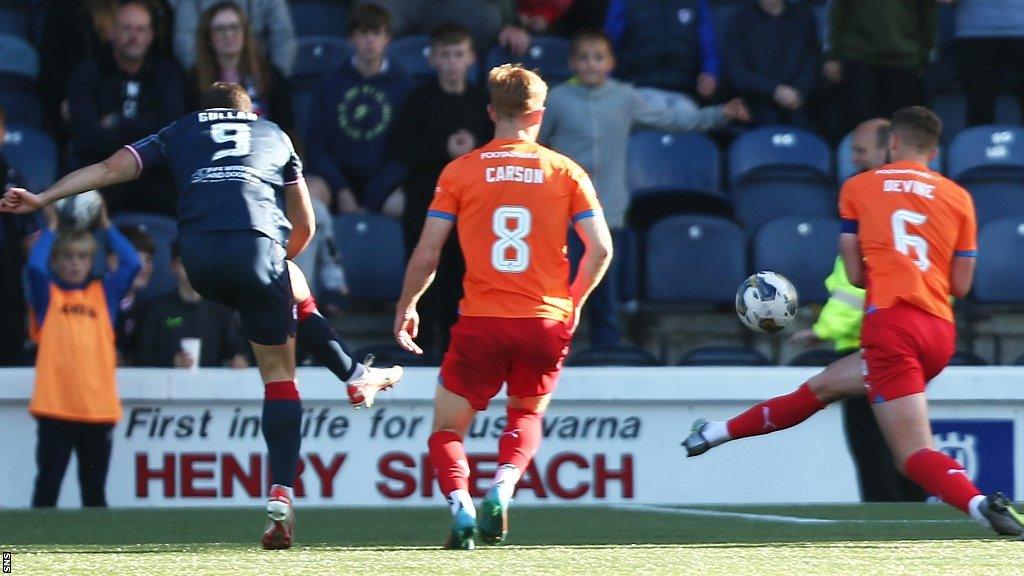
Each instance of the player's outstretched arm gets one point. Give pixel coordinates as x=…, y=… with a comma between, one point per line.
x=418, y=276
x=597, y=256
x=120, y=167
x=300, y=213
x=853, y=259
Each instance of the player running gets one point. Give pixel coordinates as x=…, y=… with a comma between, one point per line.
x=243, y=209
x=909, y=236
x=512, y=201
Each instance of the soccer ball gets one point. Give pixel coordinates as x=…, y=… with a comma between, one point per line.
x=79, y=212
x=766, y=302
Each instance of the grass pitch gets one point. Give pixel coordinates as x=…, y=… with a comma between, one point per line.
x=891, y=539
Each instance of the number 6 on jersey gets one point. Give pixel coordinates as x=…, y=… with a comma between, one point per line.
x=511, y=253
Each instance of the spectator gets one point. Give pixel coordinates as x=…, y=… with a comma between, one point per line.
x=183, y=313
x=989, y=36
x=119, y=97
x=75, y=400
x=538, y=16
x=589, y=118
x=667, y=44
x=771, y=60
x=439, y=121
x=131, y=310
x=73, y=30
x=270, y=22
x=225, y=52
x=350, y=114
x=876, y=52
x=489, y=21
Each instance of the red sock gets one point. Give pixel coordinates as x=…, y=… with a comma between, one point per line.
x=942, y=476
x=775, y=414
x=281, y=390
x=449, y=460
x=305, y=308
x=519, y=441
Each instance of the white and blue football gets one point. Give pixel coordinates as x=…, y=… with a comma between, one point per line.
x=766, y=302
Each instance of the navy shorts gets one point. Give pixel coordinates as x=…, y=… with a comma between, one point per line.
x=244, y=270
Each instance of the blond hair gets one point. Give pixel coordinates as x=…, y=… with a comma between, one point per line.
x=515, y=91
x=67, y=240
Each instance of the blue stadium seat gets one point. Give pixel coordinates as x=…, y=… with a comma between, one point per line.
x=318, y=55
x=412, y=54
x=14, y=20
x=18, y=57
x=989, y=151
x=319, y=17
x=989, y=162
x=779, y=153
x=20, y=101
x=671, y=174
x=33, y=153
x=966, y=358
x=844, y=159
x=625, y=267
x=391, y=354
x=694, y=259
x=373, y=254
x=801, y=248
x=999, y=277
x=758, y=202
x=951, y=108
x=612, y=356
x=163, y=230
x=301, y=97
x=1019, y=361
x=548, y=54
x=816, y=357
x=723, y=356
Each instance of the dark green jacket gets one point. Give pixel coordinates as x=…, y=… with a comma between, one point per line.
x=882, y=32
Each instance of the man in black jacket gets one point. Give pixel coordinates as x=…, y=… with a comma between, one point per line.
x=122, y=95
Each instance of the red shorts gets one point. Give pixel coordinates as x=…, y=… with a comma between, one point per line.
x=486, y=352
x=904, y=347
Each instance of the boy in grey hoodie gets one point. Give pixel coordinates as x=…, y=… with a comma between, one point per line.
x=589, y=118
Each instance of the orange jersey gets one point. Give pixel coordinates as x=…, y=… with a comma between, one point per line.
x=512, y=202
x=911, y=223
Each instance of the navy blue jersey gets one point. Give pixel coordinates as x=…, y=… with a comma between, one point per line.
x=230, y=168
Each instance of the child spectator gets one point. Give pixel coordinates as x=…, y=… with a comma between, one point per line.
x=589, y=118
x=75, y=398
x=666, y=44
x=440, y=120
x=183, y=313
x=350, y=114
x=771, y=60
x=131, y=310
x=270, y=23
x=225, y=52
x=122, y=96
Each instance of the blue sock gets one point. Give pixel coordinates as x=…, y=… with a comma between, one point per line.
x=282, y=420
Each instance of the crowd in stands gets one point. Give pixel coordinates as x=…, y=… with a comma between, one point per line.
x=379, y=95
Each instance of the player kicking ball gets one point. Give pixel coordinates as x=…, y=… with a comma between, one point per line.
x=909, y=235
x=513, y=201
x=243, y=209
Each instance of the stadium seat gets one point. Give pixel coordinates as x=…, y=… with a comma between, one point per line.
x=801, y=248
x=21, y=103
x=816, y=357
x=373, y=254
x=625, y=267
x=723, y=356
x=612, y=356
x=163, y=230
x=18, y=57
x=301, y=96
x=14, y=20
x=547, y=54
x=844, y=160
x=694, y=258
x=756, y=203
x=316, y=56
x=951, y=108
x=966, y=358
x=1019, y=361
x=999, y=277
x=779, y=153
x=391, y=354
x=319, y=17
x=671, y=174
x=33, y=153
x=989, y=162
x=412, y=54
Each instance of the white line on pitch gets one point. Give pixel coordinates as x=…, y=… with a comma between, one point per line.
x=767, y=517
